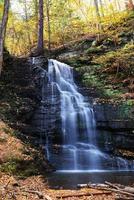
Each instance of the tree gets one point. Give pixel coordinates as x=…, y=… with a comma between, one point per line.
x=26, y=20
x=36, y=17
x=118, y=5
x=48, y=23
x=97, y=9
x=40, y=44
x=99, y=26
x=102, y=10
x=3, y=30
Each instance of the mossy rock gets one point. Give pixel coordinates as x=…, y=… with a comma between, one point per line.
x=93, y=50
x=20, y=168
x=108, y=42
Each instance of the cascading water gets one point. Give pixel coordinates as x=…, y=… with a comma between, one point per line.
x=79, y=149
x=77, y=121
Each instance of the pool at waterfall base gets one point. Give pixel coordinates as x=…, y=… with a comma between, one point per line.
x=70, y=180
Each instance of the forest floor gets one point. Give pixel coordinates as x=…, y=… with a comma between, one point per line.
x=20, y=180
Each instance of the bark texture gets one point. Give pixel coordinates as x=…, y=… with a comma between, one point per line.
x=3, y=26
x=40, y=45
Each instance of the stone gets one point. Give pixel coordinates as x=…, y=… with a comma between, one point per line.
x=94, y=43
x=45, y=120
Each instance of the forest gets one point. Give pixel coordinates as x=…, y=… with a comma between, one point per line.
x=66, y=99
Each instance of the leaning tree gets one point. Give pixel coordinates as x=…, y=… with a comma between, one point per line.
x=3, y=25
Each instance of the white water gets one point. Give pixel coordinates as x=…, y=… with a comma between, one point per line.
x=80, y=151
x=77, y=121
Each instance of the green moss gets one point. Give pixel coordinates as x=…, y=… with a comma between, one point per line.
x=119, y=62
x=91, y=80
x=94, y=50
x=3, y=140
x=19, y=167
x=126, y=109
x=8, y=167
x=111, y=93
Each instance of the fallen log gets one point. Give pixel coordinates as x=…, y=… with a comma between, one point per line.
x=121, y=187
x=112, y=185
x=124, y=198
x=117, y=191
x=82, y=194
x=89, y=185
x=106, y=187
x=129, y=189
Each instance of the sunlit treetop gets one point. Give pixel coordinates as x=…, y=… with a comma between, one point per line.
x=68, y=20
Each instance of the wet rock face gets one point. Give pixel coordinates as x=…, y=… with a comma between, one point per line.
x=113, y=117
x=39, y=61
x=114, y=126
x=46, y=118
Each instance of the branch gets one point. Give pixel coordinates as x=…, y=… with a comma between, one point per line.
x=82, y=194
x=40, y=195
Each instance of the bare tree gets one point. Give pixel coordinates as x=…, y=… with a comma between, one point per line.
x=36, y=17
x=99, y=25
x=3, y=26
x=48, y=23
x=40, y=44
x=97, y=9
x=118, y=5
x=102, y=10
x=26, y=20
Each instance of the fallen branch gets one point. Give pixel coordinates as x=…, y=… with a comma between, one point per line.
x=89, y=185
x=39, y=194
x=117, y=191
x=121, y=187
x=125, y=190
x=112, y=185
x=124, y=198
x=82, y=194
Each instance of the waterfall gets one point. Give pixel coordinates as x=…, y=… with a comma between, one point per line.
x=79, y=150
x=79, y=147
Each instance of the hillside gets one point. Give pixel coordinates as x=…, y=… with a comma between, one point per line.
x=106, y=63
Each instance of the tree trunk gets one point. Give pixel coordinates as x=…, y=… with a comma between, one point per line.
x=27, y=27
x=40, y=45
x=118, y=5
x=3, y=30
x=99, y=26
x=97, y=9
x=102, y=10
x=48, y=23
x=36, y=18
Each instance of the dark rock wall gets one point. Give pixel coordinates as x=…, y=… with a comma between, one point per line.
x=115, y=129
x=46, y=118
x=112, y=117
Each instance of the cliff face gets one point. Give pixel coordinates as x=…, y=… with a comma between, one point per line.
x=46, y=117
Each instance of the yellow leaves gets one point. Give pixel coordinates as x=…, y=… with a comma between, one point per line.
x=1, y=11
x=68, y=20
